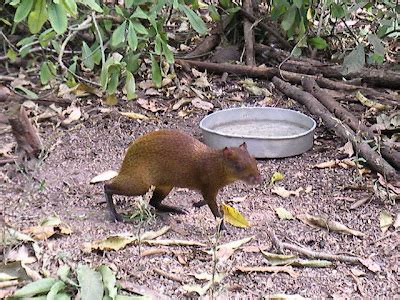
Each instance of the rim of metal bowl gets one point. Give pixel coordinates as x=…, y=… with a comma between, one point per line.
x=257, y=137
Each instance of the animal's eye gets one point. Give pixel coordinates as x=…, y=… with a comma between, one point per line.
x=239, y=167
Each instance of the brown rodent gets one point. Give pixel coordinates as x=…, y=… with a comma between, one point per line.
x=168, y=158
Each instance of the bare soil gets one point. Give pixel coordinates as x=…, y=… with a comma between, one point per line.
x=59, y=184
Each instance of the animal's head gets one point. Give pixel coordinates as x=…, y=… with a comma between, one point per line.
x=241, y=165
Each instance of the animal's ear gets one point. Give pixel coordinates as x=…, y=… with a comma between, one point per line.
x=243, y=146
x=228, y=153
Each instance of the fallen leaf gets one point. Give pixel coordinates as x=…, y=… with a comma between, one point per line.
x=226, y=250
x=237, y=199
x=370, y=264
x=370, y=103
x=48, y=227
x=277, y=176
x=347, y=149
x=151, y=105
x=234, y=217
x=106, y=175
x=181, y=102
x=207, y=276
x=153, y=251
x=20, y=254
x=279, y=259
x=151, y=234
x=111, y=100
x=9, y=236
x=385, y=220
x=196, y=288
x=254, y=249
x=284, y=193
x=357, y=272
x=316, y=221
x=133, y=115
x=74, y=114
x=326, y=164
x=202, y=82
x=270, y=269
x=204, y=105
x=254, y=89
x=197, y=73
x=7, y=149
x=283, y=214
x=308, y=189
x=115, y=242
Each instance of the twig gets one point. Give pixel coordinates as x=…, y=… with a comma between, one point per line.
x=312, y=253
x=385, y=237
x=248, y=35
x=168, y=275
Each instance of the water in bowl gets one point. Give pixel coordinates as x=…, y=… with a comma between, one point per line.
x=261, y=128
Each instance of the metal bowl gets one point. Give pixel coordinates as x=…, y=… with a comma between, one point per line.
x=268, y=132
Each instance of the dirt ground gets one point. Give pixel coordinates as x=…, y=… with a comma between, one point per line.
x=59, y=184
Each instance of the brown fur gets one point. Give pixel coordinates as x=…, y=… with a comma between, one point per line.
x=168, y=158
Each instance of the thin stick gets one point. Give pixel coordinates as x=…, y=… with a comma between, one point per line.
x=168, y=275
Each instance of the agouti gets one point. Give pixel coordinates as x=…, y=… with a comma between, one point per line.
x=168, y=158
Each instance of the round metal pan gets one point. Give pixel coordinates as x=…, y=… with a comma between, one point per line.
x=268, y=132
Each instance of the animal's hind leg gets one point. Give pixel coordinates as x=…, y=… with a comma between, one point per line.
x=159, y=194
x=119, y=186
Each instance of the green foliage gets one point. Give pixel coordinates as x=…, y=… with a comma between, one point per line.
x=124, y=36
x=97, y=283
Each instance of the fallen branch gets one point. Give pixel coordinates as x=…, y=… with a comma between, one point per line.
x=375, y=161
x=311, y=253
x=259, y=72
x=248, y=34
x=343, y=114
x=25, y=133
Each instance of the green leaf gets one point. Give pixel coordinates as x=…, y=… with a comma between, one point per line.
x=34, y=288
x=87, y=56
x=93, y=5
x=376, y=42
x=155, y=71
x=46, y=37
x=58, y=17
x=139, y=28
x=194, y=19
x=63, y=273
x=132, y=61
x=289, y=18
x=158, y=45
x=298, y=3
x=129, y=3
x=70, y=6
x=27, y=92
x=37, y=17
x=23, y=10
x=169, y=56
x=139, y=13
x=113, y=73
x=337, y=11
x=214, y=14
x=130, y=86
x=318, y=42
x=47, y=72
x=354, y=61
x=91, y=285
x=132, y=37
x=118, y=36
x=53, y=293
x=108, y=280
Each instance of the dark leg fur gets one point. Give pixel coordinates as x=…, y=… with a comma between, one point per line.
x=114, y=215
x=199, y=203
x=159, y=195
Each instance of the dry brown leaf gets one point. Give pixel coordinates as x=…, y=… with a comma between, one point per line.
x=385, y=220
x=202, y=82
x=153, y=251
x=74, y=113
x=181, y=102
x=133, y=115
x=284, y=193
x=204, y=105
x=254, y=249
x=174, y=243
x=48, y=227
x=326, y=164
x=357, y=272
x=370, y=264
x=151, y=105
x=7, y=149
x=347, y=149
x=4, y=93
x=152, y=92
x=106, y=175
x=270, y=269
x=111, y=100
x=316, y=221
